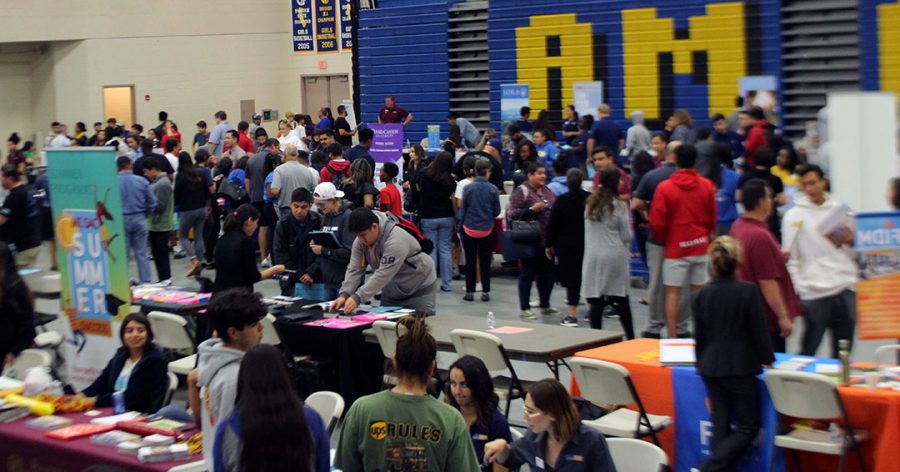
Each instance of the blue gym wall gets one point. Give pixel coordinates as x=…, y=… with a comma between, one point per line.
x=403, y=52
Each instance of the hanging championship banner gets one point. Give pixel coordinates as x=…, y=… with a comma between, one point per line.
x=326, y=26
x=303, y=40
x=90, y=242
x=346, y=24
x=878, y=292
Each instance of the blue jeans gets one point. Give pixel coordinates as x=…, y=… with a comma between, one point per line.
x=440, y=232
x=136, y=244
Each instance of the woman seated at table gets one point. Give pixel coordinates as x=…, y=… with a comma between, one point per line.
x=236, y=252
x=405, y=428
x=138, y=368
x=732, y=346
x=556, y=439
x=269, y=424
x=471, y=391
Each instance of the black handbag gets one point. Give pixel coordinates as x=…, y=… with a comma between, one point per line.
x=231, y=190
x=525, y=231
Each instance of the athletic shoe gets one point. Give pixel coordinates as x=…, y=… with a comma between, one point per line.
x=550, y=311
x=446, y=289
x=527, y=315
x=469, y=297
x=569, y=322
x=610, y=312
x=485, y=297
x=648, y=334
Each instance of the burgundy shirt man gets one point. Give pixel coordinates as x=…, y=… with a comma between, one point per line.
x=761, y=259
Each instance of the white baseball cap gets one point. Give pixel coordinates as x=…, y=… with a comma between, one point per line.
x=327, y=191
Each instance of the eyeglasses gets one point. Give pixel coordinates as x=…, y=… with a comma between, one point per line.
x=532, y=413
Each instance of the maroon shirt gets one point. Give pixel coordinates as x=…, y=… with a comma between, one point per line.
x=393, y=115
x=761, y=259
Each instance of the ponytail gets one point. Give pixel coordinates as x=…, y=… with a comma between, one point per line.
x=235, y=220
x=724, y=256
x=416, y=348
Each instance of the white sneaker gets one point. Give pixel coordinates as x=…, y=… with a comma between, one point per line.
x=527, y=315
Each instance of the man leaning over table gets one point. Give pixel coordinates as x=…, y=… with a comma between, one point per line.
x=403, y=273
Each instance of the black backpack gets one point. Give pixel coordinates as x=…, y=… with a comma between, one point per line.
x=337, y=176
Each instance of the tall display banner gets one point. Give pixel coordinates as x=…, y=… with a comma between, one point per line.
x=90, y=241
x=301, y=11
x=878, y=292
x=387, y=146
x=587, y=98
x=326, y=26
x=512, y=98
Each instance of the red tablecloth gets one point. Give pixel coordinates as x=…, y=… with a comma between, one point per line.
x=25, y=449
x=875, y=411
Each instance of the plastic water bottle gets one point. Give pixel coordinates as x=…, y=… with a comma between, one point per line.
x=491, y=321
x=844, y=356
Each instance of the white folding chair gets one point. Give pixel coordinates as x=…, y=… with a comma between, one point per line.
x=46, y=287
x=807, y=395
x=171, y=333
x=604, y=382
x=173, y=385
x=329, y=406
x=516, y=434
x=269, y=333
x=27, y=359
x=386, y=333
x=197, y=466
x=489, y=349
x=635, y=455
x=887, y=355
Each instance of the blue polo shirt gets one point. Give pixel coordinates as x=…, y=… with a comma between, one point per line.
x=585, y=451
x=481, y=435
x=606, y=132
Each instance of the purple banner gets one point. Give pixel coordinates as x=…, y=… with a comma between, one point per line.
x=387, y=145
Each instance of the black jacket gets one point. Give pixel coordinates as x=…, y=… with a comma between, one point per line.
x=288, y=251
x=147, y=384
x=331, y=265
x=730, y=329
x=16, y=319
x=565, y=235
x=435, y=196
x=190, y=195
x=235, y=262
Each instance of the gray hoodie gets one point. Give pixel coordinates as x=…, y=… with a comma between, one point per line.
x=400, y=267
x=218, y=368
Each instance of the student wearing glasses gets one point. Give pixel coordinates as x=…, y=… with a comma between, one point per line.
x=556, y=439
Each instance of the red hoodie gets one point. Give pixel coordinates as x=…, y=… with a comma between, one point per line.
x=756, y=139
x=326, y=175
x=683, y=214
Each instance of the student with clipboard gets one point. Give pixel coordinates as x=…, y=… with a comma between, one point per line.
x=331, y=261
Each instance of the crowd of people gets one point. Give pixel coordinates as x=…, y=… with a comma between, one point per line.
x=707, y=208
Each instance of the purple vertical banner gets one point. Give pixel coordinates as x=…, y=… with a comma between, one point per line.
x=326, y=26
x=387, y=145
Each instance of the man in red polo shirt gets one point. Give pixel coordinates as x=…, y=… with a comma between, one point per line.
x=393, y=113
x=756, y=124
x=763, y=263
